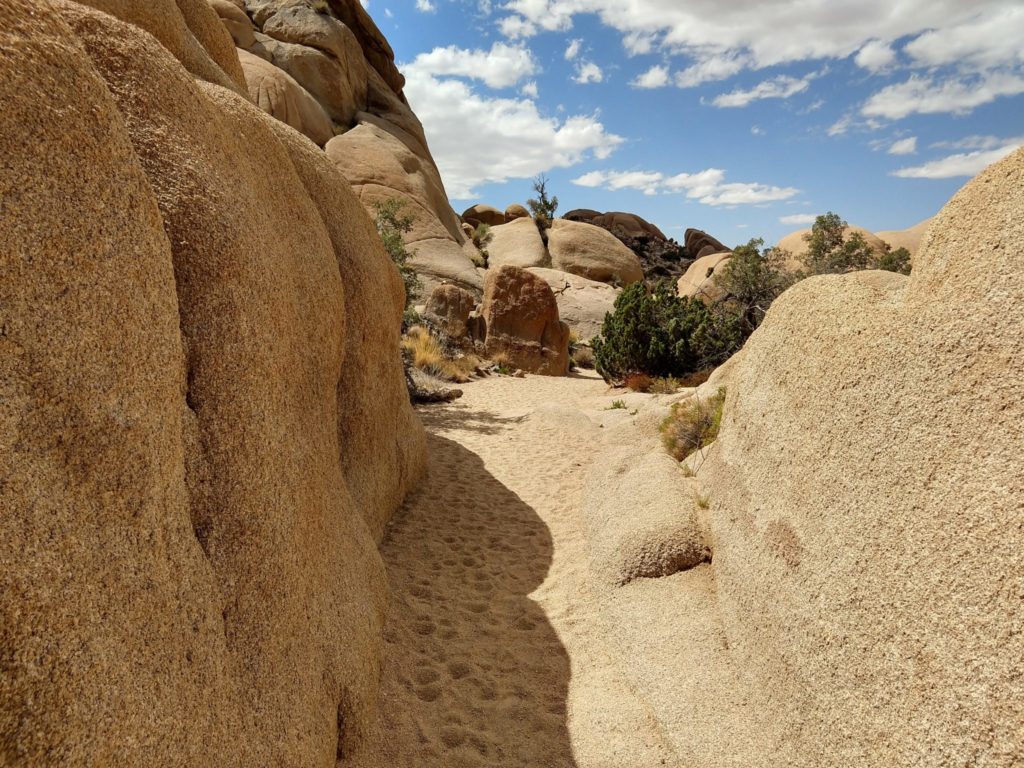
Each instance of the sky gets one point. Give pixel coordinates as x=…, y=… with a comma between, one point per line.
x=744, y=118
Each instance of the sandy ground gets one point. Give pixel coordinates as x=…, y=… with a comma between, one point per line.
x=501, y=647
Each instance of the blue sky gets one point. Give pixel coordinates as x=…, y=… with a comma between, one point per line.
x=741, y=117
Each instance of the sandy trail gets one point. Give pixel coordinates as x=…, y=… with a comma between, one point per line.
x=496, y=654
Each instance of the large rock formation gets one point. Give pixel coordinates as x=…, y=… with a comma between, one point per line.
x=338, y=59
x=582, y=303
x=483, y=214
x=523, y=324
x=449, y=308
x=592, y=252
x=202, y=410
x=870, y=584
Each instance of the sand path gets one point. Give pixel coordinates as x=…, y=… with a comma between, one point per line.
x=497, y=653
x=506, y=644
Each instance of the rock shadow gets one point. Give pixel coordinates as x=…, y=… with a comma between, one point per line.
x=474, y=673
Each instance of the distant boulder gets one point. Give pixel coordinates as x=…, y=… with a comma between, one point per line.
x=523, y=325
x=518, y=244
x=592, y=252
x=797, y=246
x=483, y=214
x=699, y=280
x=276, y=92
x=697, y=243
x=582, y=303
x=516, y=211
x=906, y=238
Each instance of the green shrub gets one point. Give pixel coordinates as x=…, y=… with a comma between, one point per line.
x=392, y=224
x=752, y=279
x=894, y=261
x=662, y=334
x=692, y=425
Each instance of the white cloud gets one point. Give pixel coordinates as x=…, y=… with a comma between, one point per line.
x=530, y=89
x=426, y=6
x=501, y=67
x=588, y=72
x=798, y=219
x=875, y=56
x=781, y=87
x=573, y=49
x=964, y=164
x=655, y=77
x=925, y=95
x=516, y=27
x=769, y=31
x=756, y=130
x=708, y=187
x=478, y=140
x=989, y=40
x=710, y=69
x=387, y=12
x=638, y=43
x=906, y=146
x=972, y=142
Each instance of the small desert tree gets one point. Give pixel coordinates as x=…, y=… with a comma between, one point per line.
x=752, y=279
x=482, y=237
x=542, y=207
x=392, y=224
x=894, y=260
x=830, y=251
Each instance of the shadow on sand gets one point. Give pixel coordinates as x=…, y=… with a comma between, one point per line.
x=474, y=674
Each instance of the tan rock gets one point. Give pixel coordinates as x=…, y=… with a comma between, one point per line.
x=522, y=322
x=276, y=93
x=190, y=30
x=339, y=85
x=628, y=224
x=592, y=252
x=380, y=166
x=699, y=280
x=582, y=303
x=483, y=214
x=236, y=21
x=875, y=560
x=910, y=239
x=516, y=211
x=449, y=308
x=518, y=244
x=698, y=244
x=202, y=415
x=376, y=49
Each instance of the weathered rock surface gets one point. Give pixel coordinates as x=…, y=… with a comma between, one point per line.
x=483, y=214
x=592, y=252
x=523, y=324
x=517, y=244
x=698, y=244
x=582, y=303
x=449, y=308
x=870, y=584
x=236, y=21
x=699, y=280
x=276, y=93
x=203, y=416
x=628, y=224
x=910, y=238
x=381, y=166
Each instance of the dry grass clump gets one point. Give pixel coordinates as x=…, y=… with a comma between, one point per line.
x=655, y=385
x=638, y=382
x=692, y=425
x=583, y=357
x=429, y=355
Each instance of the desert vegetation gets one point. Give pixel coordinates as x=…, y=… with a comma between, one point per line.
x=692, y=424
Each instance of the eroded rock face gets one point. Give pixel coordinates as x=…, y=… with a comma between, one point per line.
x=449, y=308
x=582, y=303
x=698, y=244
x=909, y=238
x=516, y=211
x=203, y=413
x=882, y=560
x=523, y=324
x=592, y=252
x=275, y=92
